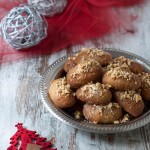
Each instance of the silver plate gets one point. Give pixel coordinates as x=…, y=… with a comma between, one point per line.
x=52, y=73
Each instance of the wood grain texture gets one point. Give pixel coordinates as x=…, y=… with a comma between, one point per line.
x=20, y=99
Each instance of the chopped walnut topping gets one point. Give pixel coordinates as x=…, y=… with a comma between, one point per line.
x=121, y=62
x=109, y=106
x=118, y=72
x=94, y=51
x=62, y=87
x=116, y=105
x=94, y=89
x=99, y=108
x=132, y=95
x=145, y=77
x=86, y=66
x=117, y=64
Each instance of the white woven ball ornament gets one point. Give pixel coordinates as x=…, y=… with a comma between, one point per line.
x=49, y=7
x=23, y=27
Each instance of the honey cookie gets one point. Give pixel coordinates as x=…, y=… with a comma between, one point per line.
x=102, y=57
x=98, y=94
x=102, y=114
x=121, y=79
x=131, y=102
x=145, y=88
x=60, y=93
x=126, y=63
x=84, y=73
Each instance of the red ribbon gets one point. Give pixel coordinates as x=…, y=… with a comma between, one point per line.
x=80, y=21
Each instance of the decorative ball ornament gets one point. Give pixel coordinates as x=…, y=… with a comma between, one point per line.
x=49, y=7
x=23, y=27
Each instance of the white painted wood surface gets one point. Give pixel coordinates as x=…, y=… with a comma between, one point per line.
x=20, y=99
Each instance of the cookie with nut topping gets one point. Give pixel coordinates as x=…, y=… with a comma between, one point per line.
x=131, y=102
x=102, y=114
x=102, y=57
x=145, y=88
x=85, y=93
x=84, y=73
x=97, y=93
x=61, y=94
x=129, y=64
x=121, y=79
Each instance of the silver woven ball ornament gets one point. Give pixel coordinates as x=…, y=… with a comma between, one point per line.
x=49, y=7
x=23, y=27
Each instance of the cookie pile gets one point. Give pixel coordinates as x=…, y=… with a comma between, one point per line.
x=100, y=89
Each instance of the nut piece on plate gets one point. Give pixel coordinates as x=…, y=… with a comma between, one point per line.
x=98, y=93
x=123, y=119
x=84, y=73
x=121, y=79
x=145, y=88
x=102, y=114
x=61, y=94
x=100, y=56
x=126, y=63
x=131, y=102
x=78, y=114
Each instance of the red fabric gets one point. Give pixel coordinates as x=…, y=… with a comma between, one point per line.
x=27, y=137
x=81, y=20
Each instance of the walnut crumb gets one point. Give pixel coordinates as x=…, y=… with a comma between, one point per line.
x=118, y=72
x=122, y=120
x=116, y=105
x=63, y=88
x=93, y=89
x=86, y=66
x=125, y=118
x=116, y=122
x=121, y=62
x=110, y=105
x=145, y=77
x=94, y=51
x=132, y=95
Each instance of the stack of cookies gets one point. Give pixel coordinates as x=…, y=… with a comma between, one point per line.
x=106, y=89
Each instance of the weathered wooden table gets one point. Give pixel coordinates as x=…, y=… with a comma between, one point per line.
x=20, y=99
